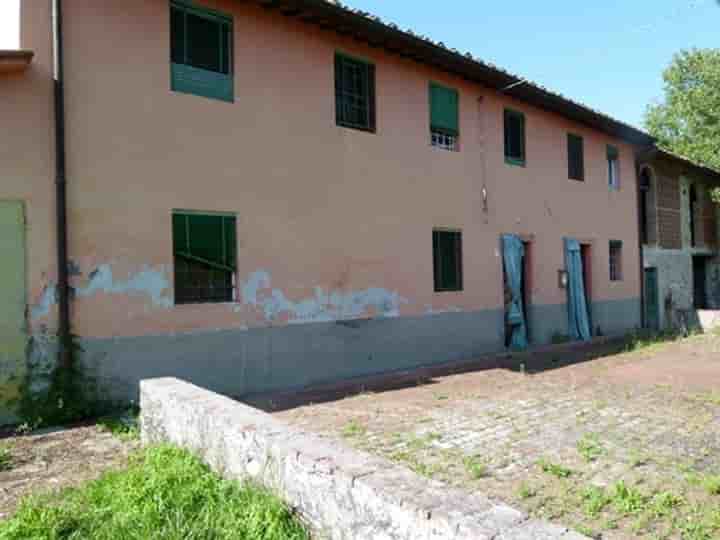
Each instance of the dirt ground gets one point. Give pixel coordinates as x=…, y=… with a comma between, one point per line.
x=54, y=460
x=624, y=446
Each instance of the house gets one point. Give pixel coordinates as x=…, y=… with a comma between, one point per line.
x=679, y=234
x=266, y=195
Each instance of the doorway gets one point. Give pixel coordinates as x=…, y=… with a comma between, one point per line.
x=699, y=282
x=12, y=297
x=652, y=301
x=516, y=290
x=578, y=265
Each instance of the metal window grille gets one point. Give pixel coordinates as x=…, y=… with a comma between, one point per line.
x=445, y=141
x=615, y=261
x=354, y=88
x=447, y=254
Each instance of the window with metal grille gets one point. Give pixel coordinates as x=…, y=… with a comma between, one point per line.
x=514, y=137
x=444, y=141
x=576, y=157
x=613, y=160
x=205, y=257
x=447, y=256
x=354, y=93
x=444, y=117
x=201, y=51
x=616, y=260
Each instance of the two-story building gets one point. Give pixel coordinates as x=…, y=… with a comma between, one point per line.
x=679, y=233
x=267, y=195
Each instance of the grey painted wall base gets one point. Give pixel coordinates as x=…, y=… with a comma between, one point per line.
x=241, y=362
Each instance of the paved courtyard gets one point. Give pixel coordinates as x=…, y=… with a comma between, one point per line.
x=625, y=446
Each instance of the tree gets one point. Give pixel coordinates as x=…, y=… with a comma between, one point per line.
x=687, y=122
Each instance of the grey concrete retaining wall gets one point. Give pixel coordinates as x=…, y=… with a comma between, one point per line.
x=289, y=358
x=342, y=493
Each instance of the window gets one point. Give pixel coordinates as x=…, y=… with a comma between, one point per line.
x=201, y=52
x=613, y=160
x=576, y=157
x=514, y=137
x=354, y=93
x=447, y=255
x=204, y=246
x=615, y=260
x=444, y=117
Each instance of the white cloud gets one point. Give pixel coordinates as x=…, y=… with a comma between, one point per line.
x=9, y=24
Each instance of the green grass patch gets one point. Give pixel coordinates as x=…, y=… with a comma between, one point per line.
x=165, y=494
x=124, y=428
x=6, y=459
x=353, y=429
x=475, y=467
x=554, y=469
x=711, y=484
x=589, y=447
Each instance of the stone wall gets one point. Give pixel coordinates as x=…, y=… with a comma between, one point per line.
x=341, y=493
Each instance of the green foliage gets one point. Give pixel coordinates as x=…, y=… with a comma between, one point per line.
x=687, y=122
x=353, y=429
x=5, y=459
x=711, y=484
x=554, y=469
x=595, y=500
x=165, y=494
x=124, y=427
x=71, y=395
x=475, y=467
x=590, y=448
x=628, y=499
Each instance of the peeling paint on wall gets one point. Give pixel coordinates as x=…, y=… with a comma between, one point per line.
x=325, y=306
x=149, y=281
x=48, y=298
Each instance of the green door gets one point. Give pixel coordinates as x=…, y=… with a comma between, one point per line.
x=12, y=303
x=652, y=306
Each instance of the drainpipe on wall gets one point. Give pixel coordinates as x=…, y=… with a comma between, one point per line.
x=63, y=286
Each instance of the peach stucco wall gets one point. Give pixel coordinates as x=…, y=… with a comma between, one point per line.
x=318, y=206
x=26, y=155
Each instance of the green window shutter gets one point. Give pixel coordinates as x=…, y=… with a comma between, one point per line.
x=612, y=152
x=201, y=52
x=208, y=239
x=354, y=93
x=576, y=158
x=444, y=109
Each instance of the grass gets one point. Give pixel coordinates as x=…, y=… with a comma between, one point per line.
x=353, y=429
x=6, y=460
x=589, y=447
x=475, y=467
x=554, y=469
x=123, y=427
x=165, y=494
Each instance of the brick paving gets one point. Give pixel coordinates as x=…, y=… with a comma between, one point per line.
x=648, y=418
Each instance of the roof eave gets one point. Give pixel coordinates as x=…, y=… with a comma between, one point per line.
x=15, y=61
x=364, y=27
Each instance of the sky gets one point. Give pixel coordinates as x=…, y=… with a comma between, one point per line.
x=607, y=54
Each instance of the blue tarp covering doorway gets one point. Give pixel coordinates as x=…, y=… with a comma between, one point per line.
x=513, y=255
x=578, y=319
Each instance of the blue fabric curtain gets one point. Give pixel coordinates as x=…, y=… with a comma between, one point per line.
x=578, y=321
x=513, y=253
